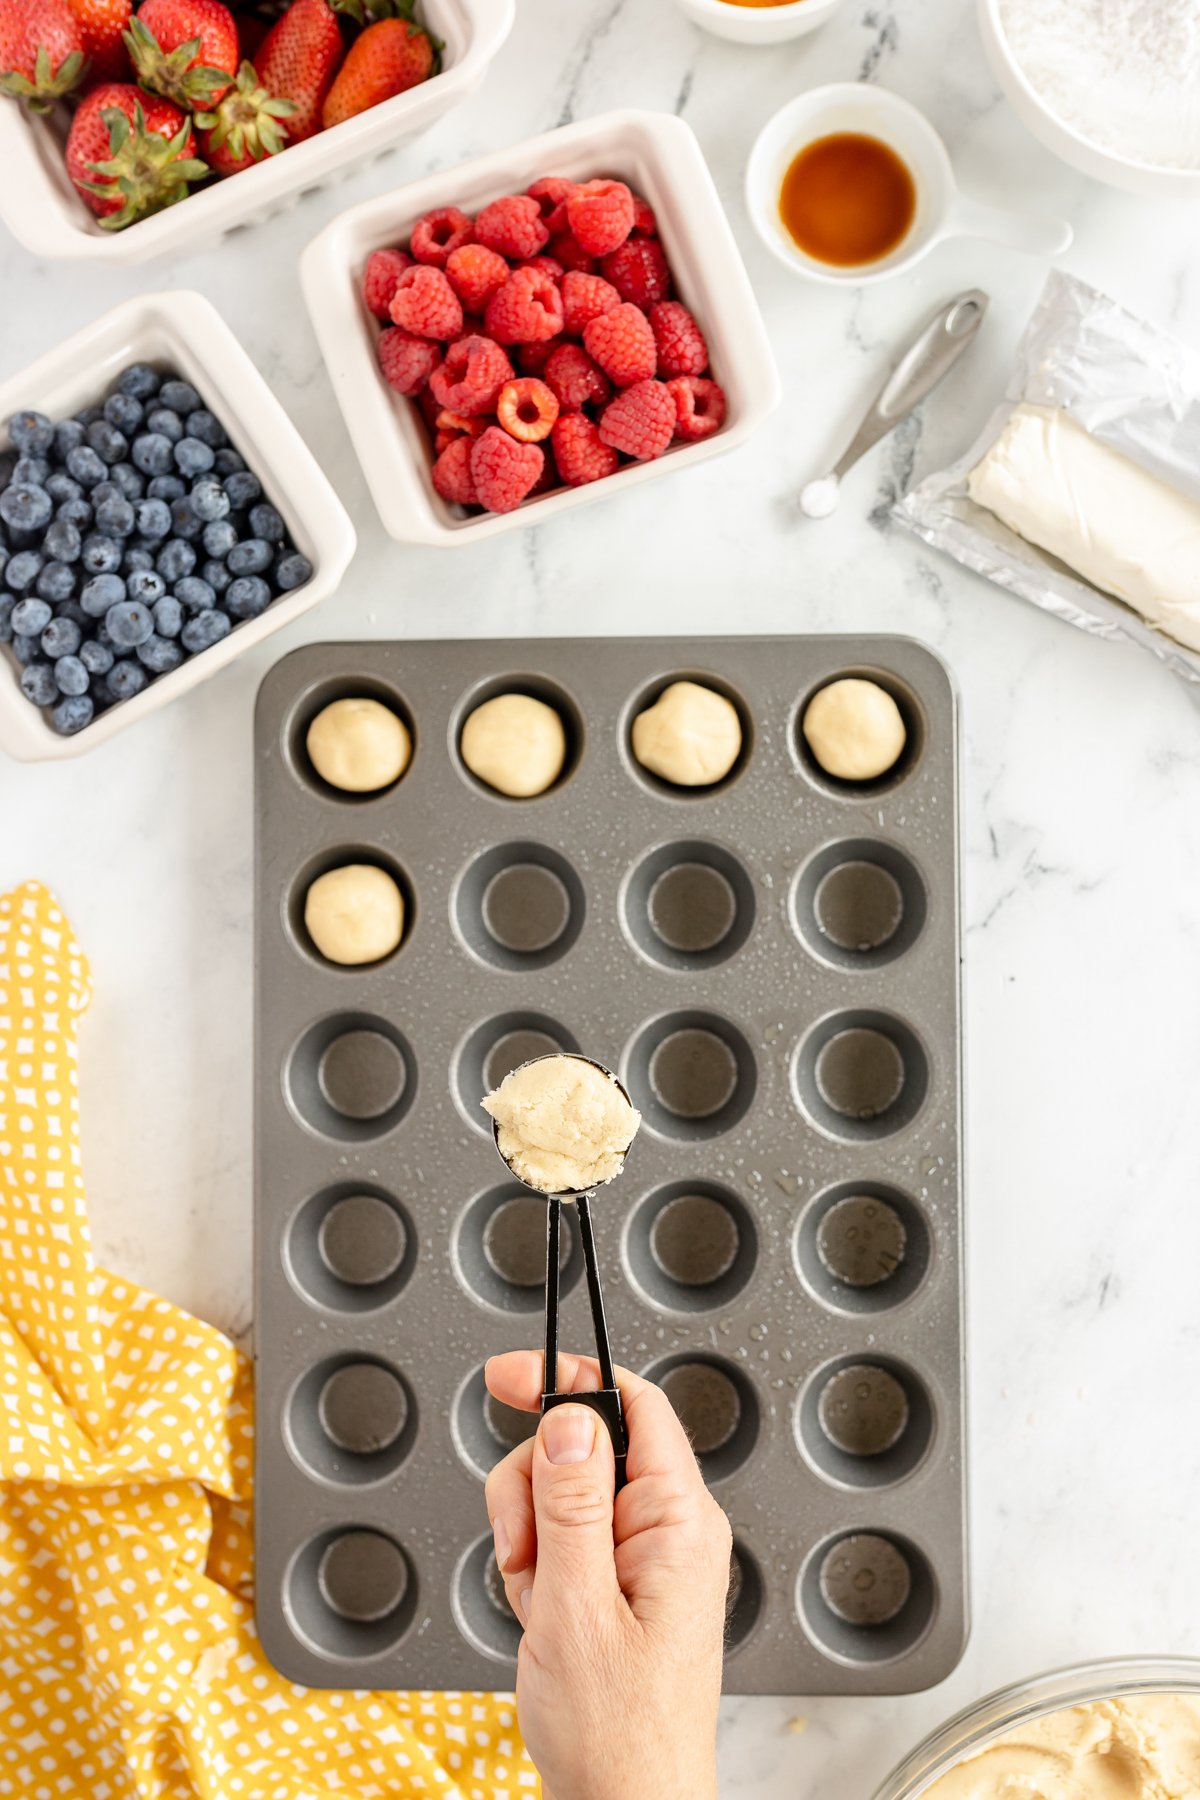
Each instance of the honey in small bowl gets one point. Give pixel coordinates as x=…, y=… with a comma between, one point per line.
x=847, y=199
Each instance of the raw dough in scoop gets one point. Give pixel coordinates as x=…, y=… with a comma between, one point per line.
x=691, y=736
x=565, y=1125
x=516, y=744
x=358, y=745
x=355, y=914
x=854, y=729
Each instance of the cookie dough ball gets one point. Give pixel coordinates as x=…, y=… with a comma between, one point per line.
x=564, y=1124
x=854, y=729
x=516, y=744
x=691, y=736
x=358, y=745
x=355, y=914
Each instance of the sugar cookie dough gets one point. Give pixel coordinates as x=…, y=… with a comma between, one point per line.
x=565, y=1126
x=854, y=729
x=355, y=914
x=358, y=745
x=516, y=744
x=1143, y=1747
x=691, y=736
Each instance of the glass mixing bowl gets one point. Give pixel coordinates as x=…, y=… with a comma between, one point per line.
x=1011, y=1707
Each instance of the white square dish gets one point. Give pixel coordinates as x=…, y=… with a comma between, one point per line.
x=184, y=331
x=658, y=155
x=43, y=211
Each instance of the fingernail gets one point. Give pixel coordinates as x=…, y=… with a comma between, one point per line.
x=503, y=1544
x=525, y=1601
x=569, y=1433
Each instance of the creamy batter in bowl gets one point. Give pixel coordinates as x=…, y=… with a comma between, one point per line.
x=1137, y=1721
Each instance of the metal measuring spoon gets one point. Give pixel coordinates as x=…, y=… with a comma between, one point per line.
x=923, y=365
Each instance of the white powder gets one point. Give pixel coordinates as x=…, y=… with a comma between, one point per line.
x=1124, y=73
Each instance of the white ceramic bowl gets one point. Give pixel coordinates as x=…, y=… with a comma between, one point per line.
x=659, y=156
x=184, y=331
x=42, y=209
x=1078, y=151
x=759, y=24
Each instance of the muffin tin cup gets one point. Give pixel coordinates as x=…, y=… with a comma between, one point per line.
x=751, y=1256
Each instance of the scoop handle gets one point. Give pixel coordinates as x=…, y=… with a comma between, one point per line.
x=926, y=362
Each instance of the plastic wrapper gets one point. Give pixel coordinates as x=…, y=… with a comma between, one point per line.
x=1133, y=387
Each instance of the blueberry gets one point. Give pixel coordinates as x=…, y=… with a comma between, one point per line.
x=22, y=571
x=205, y=630
x=265, y=522
x=204, y=425
x=129, y=624
x=123, y=412
x=61, y=488
x=184, y=522
x=153, y=518
x=62, y=540
x=87, y=415
x=8, y=462
x=85, y=467
x=250, y=557
x=209, y=501
x=140, y=380
x=126, y=678
x=101, y=593
x=6, y=609
x=68, y=435
x=152, y=453
x=101, y=555
x=104, y=490
x=145, y=585
x=220, y=537
x=292, y=571
x=24, y=507
x=243, y=487
x=246, y=597
x=31, y=617
x=38, y=684
x=175, y=560
x=70, y=612
x=166, y=423
x=137, y=558
x=31, y=471
x=195, y=593
x=128, y=480
x=31, y=433
x=168, y=612
x=71, y=676
x=62, y=637
x=216, y=574
x=193, y=457
x=75, y=512
x=226, y=462
x=27, y=650
x=111, y=445
x=72, y=714
x=180, y=396
x=166, y=487
x=160, y=655
x=96, y=657
x=56, y=582
x=115, y=516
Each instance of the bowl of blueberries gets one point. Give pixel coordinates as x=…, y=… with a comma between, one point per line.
x=159, y=513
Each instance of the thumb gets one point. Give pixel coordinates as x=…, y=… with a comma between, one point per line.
x=573, y=1476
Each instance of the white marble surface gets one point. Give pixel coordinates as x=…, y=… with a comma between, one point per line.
x=1081, y=769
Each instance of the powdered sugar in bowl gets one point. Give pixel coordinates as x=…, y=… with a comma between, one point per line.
x=1111, y=86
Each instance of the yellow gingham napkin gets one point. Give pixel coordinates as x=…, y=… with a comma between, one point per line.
x=129, y=1664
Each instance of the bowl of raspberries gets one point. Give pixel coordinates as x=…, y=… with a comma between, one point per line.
x=159, y=513
x=539, y=327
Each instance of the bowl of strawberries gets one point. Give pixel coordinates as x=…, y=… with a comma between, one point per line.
x=132, y=128
x=554, y=322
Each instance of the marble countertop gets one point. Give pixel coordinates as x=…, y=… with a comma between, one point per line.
x=1081, y=810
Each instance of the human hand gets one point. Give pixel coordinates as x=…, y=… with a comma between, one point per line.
x=623, y=1607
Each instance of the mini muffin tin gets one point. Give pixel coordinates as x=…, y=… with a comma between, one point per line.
x=772, y=965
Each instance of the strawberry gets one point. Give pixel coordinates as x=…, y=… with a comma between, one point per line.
x=102, y=24
x=41, y=51
x=130, y=153
x=298, y=61
x=185, y=50
x=247, y=126
x=389, y=57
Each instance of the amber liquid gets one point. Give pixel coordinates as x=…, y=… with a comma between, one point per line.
x=847, y=199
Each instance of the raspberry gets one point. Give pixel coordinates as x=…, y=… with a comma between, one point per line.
x=407, y=361
x=513, y=226
x=639, y=272
x=567, y=250
x=503, y=470
x=699, y=407
x=527, y=410
x=681, y=346
x=549, y=476
x=641, y=421
x=532, y=358
x=475, y=273
x=574, y=379
x=600, y=213
x=452, y=473
x=644, y=222
x=622, y=342
x=380, y=277
x=526, y=309
x=545, y=265
x=425, y=303
x=439, y=234
x=579, y=452
x=453, y=422
x=472, y=375
x=585, y=297
x=552, y=193
x=443, y=440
